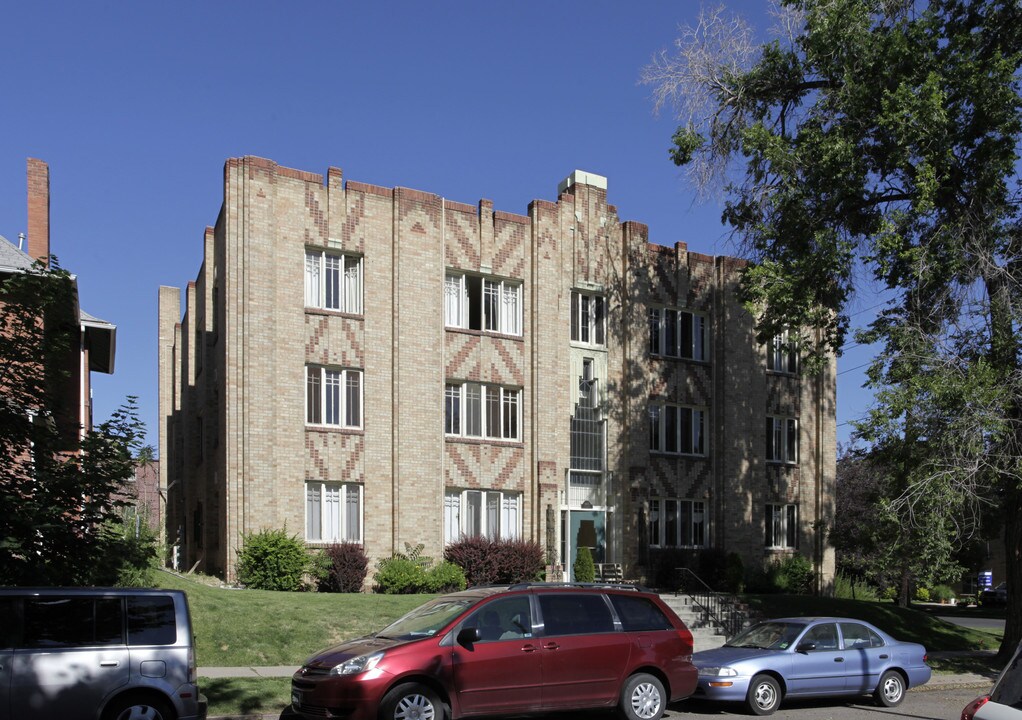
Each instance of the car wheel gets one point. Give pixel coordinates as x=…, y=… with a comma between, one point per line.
x=764, y=695
x=411, y=702
x=139, y=708
x=642, y=698
x=891, y=689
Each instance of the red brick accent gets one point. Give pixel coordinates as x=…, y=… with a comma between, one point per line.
x=511, y=217
x=415, y=195
x=699, y=258
x=460, y=207
x=334, y=177
x=39, y=210
x=353, y=186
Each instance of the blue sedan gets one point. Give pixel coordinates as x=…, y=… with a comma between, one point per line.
x=809, y=657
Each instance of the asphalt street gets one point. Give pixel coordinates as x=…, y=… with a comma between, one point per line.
x=943, y=704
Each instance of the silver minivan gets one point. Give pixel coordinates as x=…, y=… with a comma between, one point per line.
x=97, y=654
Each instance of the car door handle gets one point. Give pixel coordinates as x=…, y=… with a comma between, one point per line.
x=839, y=659
x=529, y=648
x=551, y=646
x=108, y=663
x=884, y=657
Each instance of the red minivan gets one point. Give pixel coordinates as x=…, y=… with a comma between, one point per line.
x=527, y=648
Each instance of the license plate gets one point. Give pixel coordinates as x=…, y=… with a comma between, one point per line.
x=296, y=698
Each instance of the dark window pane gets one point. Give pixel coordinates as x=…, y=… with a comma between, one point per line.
x=72, y=622
x=575, y=614
x=151, y=621
x=639, y=614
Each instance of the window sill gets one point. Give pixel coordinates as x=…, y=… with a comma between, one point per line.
x=677, y=358
x=333, y=313
x=587, y=346
x=782, y=463
x=330, y=429
x=687, y=456
x=781, y=373
x=484, y=333
x=483, y=441
x=323, y=544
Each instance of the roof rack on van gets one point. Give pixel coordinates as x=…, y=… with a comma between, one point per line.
x=606, y=585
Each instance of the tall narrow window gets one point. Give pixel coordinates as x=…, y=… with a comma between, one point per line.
x=333, y=281
x=333, y=512
x=333, y=397
x=781, y=526
x=782, y=440
x=782, y=356
x=588, y=318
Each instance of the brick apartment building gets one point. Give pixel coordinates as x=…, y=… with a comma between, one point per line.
x=70, y=385
x=386, y=366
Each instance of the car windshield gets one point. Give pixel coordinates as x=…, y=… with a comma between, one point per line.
x=768, y=636
x=428, y=619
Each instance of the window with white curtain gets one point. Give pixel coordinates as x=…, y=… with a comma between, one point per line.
x=588, y=318
x=782, y=356
x=482, y=513
x=677, y=333
x=677, y=523
x=333, y=397
x=782, y=440
x=483, y=303
x=333, y=281
x=781, y=526
x=333, y=512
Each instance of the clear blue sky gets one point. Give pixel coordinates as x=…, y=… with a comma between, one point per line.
x=136, y=106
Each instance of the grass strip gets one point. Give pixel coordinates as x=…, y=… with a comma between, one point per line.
x=246, y=696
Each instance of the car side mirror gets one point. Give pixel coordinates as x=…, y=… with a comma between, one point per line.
x=806, y=647
x=469, y=635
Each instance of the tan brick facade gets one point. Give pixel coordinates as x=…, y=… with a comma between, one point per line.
x=237, y=452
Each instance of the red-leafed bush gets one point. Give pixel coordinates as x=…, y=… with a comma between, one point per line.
x=343, y=568
x=496, y=562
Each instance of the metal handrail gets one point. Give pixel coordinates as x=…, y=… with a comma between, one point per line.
x=724, y=608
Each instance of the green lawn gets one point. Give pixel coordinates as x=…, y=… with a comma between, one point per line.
x=260, y=627
x=246, y=696
x=255, y=627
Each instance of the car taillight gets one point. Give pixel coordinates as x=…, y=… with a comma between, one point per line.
x=970, y=710
x=192, y=674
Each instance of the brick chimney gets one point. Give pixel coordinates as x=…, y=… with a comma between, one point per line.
x=38, y=210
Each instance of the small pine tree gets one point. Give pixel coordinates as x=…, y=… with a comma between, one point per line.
x=585, y=570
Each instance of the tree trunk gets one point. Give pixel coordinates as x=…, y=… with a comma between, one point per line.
x=1013, y=569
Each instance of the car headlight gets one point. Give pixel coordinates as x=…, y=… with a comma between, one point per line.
x=722, y=671
x=356, y=665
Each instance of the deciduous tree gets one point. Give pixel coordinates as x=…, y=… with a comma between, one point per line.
x=877, y=141
x=56, y=490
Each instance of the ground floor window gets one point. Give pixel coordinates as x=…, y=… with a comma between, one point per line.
x=482, y=513
x=781, y=526
x=333, y=512
x=677, y=523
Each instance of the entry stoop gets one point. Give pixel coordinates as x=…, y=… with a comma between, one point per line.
x=706, y=635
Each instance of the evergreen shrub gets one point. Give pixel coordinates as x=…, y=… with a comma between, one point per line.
x=273, y=560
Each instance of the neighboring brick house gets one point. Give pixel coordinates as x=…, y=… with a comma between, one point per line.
x=386, y=366
x=71, y=390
